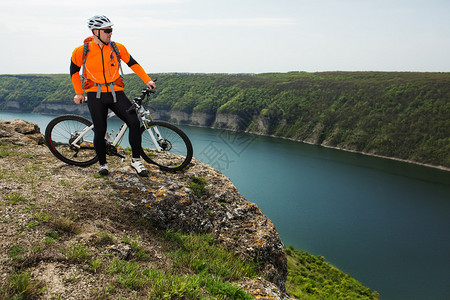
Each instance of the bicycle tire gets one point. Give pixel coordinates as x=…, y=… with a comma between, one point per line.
x=61, y=130
x=177, y=148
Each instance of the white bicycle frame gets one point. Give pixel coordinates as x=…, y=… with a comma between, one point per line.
x=145, y=117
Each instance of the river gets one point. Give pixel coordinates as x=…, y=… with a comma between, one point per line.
x=385, y=222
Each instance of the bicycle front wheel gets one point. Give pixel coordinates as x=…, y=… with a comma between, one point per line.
x=60, y=135
x=175, y=149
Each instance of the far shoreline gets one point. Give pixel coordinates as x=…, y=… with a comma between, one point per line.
x=442, y=168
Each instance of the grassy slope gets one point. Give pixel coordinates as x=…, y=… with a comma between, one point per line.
x=311, y=277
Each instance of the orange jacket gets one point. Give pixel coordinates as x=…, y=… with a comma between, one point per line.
x=102, y=67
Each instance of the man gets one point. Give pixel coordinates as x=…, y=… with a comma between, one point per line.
x=105, y=89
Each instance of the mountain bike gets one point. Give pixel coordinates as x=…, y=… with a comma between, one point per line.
x=71, y=139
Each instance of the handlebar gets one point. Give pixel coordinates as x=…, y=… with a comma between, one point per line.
x=148, y=91
x=138, y=100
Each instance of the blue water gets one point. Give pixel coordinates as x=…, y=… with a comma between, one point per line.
x=384, y=222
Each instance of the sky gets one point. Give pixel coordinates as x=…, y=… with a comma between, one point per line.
x=234, y=36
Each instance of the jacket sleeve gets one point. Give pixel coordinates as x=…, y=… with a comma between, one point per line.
x=140, y=72
x=75, y=66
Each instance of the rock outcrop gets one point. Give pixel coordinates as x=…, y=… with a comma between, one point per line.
x=19, y=132
x=170, y=203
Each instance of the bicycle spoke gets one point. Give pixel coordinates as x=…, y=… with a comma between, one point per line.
x=62, y=131
x=175, y=149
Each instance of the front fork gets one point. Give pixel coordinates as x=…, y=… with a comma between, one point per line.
x=152, y=131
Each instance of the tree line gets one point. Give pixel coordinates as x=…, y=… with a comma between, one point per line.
x=404, y=115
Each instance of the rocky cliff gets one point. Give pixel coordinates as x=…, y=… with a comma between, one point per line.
x=169, y=203
x=61, y=108
x=228, y=121
x=50, y=208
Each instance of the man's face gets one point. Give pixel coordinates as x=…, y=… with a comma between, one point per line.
x=105, y=34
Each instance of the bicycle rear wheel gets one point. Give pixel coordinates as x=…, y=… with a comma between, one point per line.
x=62, y=131
x=176, y=151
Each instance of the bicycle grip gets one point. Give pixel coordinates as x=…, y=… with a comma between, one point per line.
x=148, y=90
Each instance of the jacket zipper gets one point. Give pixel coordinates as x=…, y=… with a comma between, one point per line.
x=103, y=65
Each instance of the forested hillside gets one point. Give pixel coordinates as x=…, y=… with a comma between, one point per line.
x=400, y=115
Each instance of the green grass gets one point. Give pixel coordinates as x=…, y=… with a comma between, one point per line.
x=52, y=234
x=7, y=149
x=172, y=285
x=130, y=273
x=15, y=198
x=311, y=277
x=16, y=252
x=38, y=219
x=200, y=270
x=22, y=286
x=77, y=253
x=64, y=182
x=215, y=266
x=198, y=185
x=96, y=264
x=201, y=254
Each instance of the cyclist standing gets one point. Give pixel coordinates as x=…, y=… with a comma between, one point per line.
x=105, y=89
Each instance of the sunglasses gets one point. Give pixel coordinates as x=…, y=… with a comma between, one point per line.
x=108, y=30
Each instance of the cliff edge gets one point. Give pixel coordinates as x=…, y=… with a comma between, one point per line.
x=64, y=229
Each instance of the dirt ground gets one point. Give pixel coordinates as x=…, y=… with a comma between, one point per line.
x=48, y=208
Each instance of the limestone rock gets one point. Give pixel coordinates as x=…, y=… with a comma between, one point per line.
x=20, y=132
x=169, y=203
x=262, y=289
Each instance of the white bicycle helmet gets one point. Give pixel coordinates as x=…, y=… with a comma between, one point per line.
x=99, y=22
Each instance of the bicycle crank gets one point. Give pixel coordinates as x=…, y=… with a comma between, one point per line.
x=112, y=151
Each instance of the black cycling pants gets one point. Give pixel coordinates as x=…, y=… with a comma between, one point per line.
x=99, y=111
